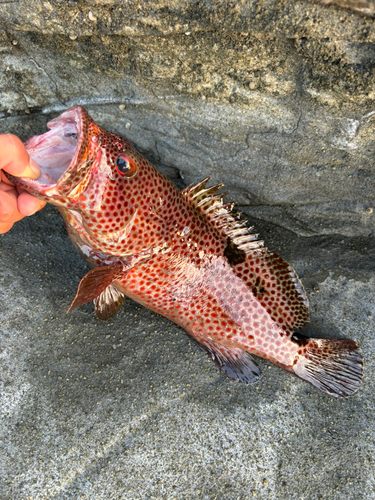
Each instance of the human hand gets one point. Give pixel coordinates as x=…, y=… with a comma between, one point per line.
x=15, y=203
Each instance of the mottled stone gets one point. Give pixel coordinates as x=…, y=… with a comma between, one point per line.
x=274, y=99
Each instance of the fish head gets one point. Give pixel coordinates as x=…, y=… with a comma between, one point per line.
x=75, y=155
x=93, y=174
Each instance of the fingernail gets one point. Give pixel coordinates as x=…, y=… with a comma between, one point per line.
x=34, y=167
x=38, y=207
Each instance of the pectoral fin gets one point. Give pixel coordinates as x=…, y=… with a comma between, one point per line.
x=236, y=363
x=94, y=283
x=108, y=303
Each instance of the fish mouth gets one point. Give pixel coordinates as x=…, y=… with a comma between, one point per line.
x=57, y=152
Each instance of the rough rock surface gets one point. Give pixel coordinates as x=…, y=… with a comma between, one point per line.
x=365, y=7
x=276, y=100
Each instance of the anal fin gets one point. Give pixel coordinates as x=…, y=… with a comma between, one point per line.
x=108, y=303
x=236, y=363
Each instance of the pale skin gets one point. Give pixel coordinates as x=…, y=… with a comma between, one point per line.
x=15, y=204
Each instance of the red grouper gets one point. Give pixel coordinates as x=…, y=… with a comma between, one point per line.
x=182, y=254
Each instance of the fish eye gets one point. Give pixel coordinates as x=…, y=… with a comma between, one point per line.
x=126, y=166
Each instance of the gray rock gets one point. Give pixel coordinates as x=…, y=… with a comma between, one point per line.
x=275, y=99
x=365, y=7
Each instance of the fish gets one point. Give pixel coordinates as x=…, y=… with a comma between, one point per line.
x=184, y=254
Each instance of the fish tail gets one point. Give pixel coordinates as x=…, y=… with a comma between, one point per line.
x=332, y=365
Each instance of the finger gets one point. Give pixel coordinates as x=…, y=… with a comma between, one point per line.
x=28, y=205
x=8, y=206
x=5, y=227
x=14, y=158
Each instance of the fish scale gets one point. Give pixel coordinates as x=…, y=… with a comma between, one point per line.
x=185, y=255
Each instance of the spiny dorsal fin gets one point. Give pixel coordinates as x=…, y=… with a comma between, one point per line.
x=221, y=216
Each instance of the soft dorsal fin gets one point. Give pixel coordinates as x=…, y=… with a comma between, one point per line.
x=220, y=215
x=94, y=283
x=276, y=286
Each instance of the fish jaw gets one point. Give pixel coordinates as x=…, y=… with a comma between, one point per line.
x=65, y=155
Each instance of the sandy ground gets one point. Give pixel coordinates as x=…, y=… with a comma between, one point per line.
x=132, y=409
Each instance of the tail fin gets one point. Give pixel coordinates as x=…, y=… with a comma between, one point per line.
x=332, y=365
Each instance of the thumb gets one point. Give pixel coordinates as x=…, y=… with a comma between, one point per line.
x=14, y=158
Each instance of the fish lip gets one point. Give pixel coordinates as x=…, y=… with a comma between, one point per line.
x=80, y=113
x=45, y=186
x=33, y=186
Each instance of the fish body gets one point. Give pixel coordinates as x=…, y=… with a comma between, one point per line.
x=182, y=254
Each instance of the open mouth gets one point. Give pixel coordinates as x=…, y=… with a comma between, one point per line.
x=56, y=150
